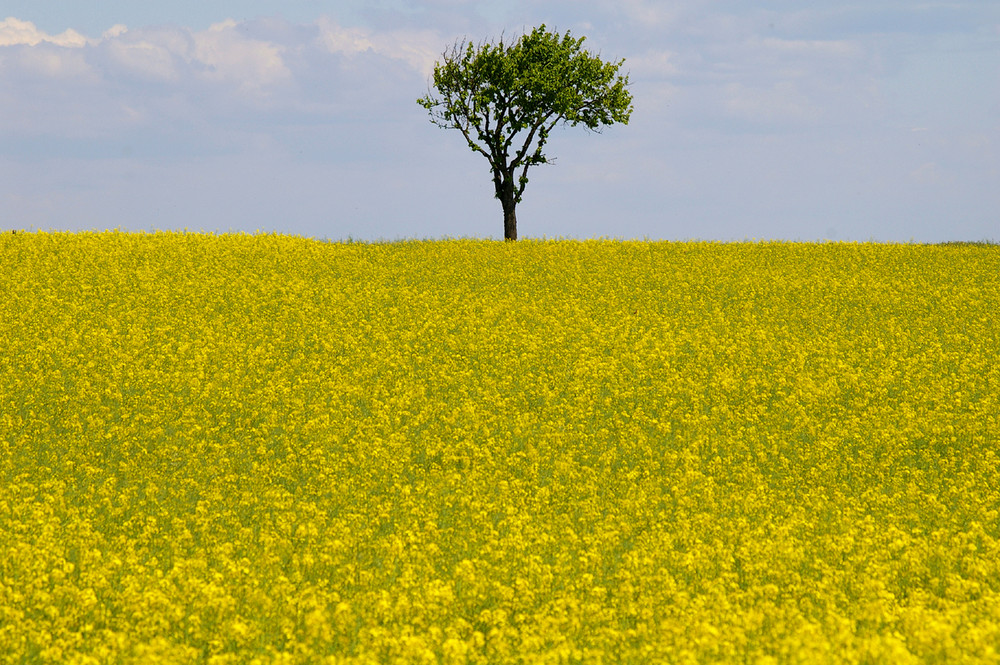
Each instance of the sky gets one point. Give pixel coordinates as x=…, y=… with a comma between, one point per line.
x=876, y=120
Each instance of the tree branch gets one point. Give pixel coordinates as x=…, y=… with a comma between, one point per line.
x=506, y=98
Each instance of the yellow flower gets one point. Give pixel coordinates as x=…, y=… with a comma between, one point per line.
x=263, y=448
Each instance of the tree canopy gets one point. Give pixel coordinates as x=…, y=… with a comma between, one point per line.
x=506, y=98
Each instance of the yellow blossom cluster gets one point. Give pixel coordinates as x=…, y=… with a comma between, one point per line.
x=269, y=449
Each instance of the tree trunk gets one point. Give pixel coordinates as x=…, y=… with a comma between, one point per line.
x=509, y=203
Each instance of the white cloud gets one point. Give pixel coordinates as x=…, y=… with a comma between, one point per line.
x=418, y=49
x=254, y=65
x=171, y=92
x=33, y=53
x=117, y=30
x=48, y=61
x=733, y=71
x=339, y=39
x=14, y=32
x=144, y=56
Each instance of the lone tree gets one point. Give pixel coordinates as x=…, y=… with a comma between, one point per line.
x=506, y=99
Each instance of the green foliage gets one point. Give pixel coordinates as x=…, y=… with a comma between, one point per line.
x=507, y=97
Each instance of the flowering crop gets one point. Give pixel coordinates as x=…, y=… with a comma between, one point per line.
x=268, y=449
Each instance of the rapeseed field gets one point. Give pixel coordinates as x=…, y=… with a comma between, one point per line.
x=267, y=449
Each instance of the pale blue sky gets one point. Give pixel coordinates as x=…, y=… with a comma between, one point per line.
x=875, y=120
